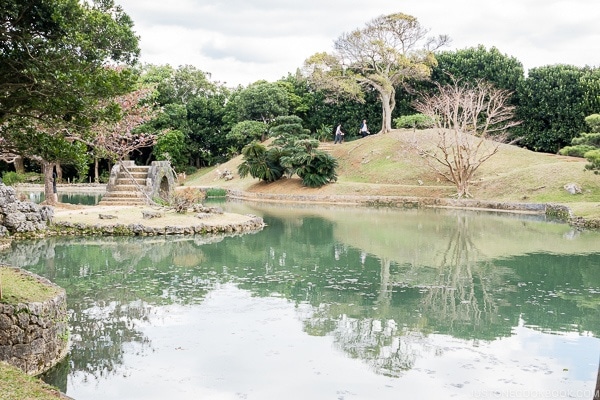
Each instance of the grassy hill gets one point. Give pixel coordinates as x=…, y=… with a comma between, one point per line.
x=389, y=165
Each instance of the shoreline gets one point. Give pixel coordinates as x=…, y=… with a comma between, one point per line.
x=65, y=187
x=147, y=221
x=558, y=211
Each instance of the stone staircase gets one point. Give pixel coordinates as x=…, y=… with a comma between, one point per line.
x=327, y=147
x=128, y=188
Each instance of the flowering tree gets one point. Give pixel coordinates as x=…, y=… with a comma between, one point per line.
x=116, y=140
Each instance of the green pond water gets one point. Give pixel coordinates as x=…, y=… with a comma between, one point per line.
x=87, y=199
x=331, y=303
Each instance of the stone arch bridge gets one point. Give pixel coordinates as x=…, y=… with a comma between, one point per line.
x=131, y=184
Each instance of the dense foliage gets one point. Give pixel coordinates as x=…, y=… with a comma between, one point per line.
x=587, y=144
x=293, y=152
x=58, y=61
x=552, y=103
x=478, y=63
x=53, y=55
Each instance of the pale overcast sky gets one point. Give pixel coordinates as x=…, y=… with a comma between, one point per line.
x=242, y=41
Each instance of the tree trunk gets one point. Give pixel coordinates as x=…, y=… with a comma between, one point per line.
x=49, y=183
x=19, y=165
x=96, y=174
x=387, y=105
x=58, y=172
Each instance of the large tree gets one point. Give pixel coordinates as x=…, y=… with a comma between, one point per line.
x=471, y=120
x=116, y=140
x=45, y=142
x=260, y=101
x=478, y=63
x=53, y=55
x=386, y=53
x=57, y=61
x=553, y=102
x=194, y=106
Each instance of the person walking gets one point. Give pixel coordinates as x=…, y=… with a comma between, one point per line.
x=339, y=134
x=364, y=130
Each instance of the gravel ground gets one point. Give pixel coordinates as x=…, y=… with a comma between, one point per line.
x=90, y=215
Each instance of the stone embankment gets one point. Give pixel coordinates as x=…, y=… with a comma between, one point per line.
x=18, y=217
x=551, y=210
x=34, y=336
x=564, y=213
x=147, y=221
x=137, y=229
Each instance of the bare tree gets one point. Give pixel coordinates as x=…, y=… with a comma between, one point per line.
x=472, y=121
x=387, y=52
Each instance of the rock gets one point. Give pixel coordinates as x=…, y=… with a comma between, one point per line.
x=106, y=216
x=573, y=188
x=21, y=216
x=152, y=214
x=225, y=174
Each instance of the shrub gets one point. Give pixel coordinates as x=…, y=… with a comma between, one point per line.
x=575, y=151
x=261, y=163
x=324, y=133
x=414, y=121
x=182, y=200
x=216, y=192
x=244, y=133
x=593, y=156
x=11, y=178
x=190, y=169
x=104, y=176
x=317, y=169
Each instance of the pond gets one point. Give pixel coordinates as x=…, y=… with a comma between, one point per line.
x=88, y=198
x=331, y=303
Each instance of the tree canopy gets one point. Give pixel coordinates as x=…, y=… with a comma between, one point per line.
x=553, y=102
x=476, y=63
x=387, y=52
x=58, y=59
x=53, y=55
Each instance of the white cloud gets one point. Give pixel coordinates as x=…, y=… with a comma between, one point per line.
x=241, y=41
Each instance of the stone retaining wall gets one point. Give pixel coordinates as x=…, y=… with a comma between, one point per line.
x=68, y=228
x=34, y=336
x=558, y=211
x=391, y=201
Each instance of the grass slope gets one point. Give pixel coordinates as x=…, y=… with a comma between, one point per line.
x=16, y=385
x=389, y=165
x=17, y=287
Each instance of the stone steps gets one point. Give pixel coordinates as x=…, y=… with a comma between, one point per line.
x=131, y=182
x=128, y=187
x=327, y=147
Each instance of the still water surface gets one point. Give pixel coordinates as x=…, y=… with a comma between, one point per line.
x=331, y=303
x=70, y=197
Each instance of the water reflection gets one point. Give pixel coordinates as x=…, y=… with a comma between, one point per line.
x=396, y=290
x=83, y=198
